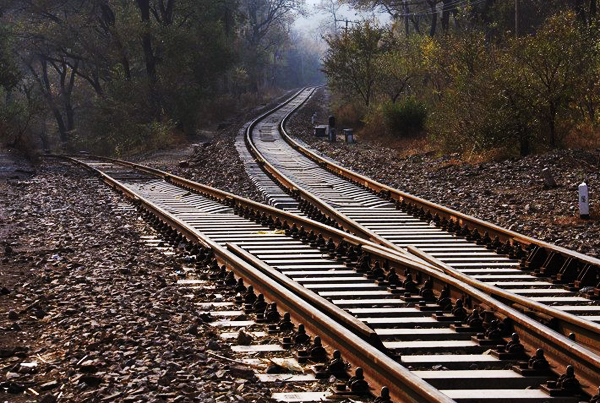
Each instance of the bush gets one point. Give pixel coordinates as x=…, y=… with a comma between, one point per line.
x=404, y=118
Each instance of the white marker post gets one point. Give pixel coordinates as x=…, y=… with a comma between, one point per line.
x=584, y=202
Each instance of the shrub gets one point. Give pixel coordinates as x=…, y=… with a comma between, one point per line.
x=405, y=117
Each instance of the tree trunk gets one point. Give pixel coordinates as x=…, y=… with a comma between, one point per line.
x=524, y=145
x=415, y=21
x=47, y=91
x=434, y=16
x=580, y=10
x=592, y=9
x=406, y=25
x=552, y=124
x=150, y=60
x=68, y=90
x=446, y=4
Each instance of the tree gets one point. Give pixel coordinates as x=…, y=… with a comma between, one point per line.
x=554, y=65
x=400, y=62
x=265, y=20
x=350, y=61
x=332, y=9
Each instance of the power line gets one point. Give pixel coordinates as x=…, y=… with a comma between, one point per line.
x=447, y=7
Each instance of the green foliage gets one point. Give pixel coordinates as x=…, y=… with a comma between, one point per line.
x=400, y=63
x=122, y=75
x=484, y=89
x=350, y=61
x=405, y=118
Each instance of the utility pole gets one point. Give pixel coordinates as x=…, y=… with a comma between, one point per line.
x=517, y=18
x=406, y=17
x=347, y=21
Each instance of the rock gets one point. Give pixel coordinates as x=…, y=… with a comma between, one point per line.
x=48, y=398
x=12, y=315
x=184, y=164
x=6, y=352
x=244, y=338
x=15, y=388
x=91, y=380
x=238, y=371
x=213, y=345
x=549, y=182
x=49, y=385
x=192, y=329
x=88, y=367
x=4, y=291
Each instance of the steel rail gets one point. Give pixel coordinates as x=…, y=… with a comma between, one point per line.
x=380, y=369
x=229, y=198
x=585, y=332
x=561, y=350
x=444, y=212
x=341, y=219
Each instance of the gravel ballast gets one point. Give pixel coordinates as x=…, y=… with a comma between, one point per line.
x=91, y=312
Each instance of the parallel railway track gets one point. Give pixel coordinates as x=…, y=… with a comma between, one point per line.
x=387, y=311
x=558, y=286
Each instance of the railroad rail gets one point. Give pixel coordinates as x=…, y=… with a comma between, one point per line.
x=425, y=335
x=561, y=288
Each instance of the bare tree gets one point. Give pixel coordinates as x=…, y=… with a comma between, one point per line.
x=332, y=9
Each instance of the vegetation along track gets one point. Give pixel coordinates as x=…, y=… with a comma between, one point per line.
x=559, y=287
x=426, y=335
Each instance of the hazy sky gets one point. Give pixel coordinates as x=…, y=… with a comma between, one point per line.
x=310, y=24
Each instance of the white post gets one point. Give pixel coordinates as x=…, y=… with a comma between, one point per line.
x=314, y=118
x=584, y=202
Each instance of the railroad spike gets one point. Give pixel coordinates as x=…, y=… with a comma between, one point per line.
x=249, y=296
x=409, y=285
x=260, y=304
x=357, y=384
x=301, y=337
x=271, y=313
x=336, y=366
x=384, y=396
x=392, y=277
x=514, y=346
x=376, y=271
x=474, y=320
x=444, y=300
x=459, y=310
x=317, y=351
x=566, y=384
x=230, y=279
x=321, y=244
x=285, y=324
x=240, y=287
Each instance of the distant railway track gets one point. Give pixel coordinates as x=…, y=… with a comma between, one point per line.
x=559, y=287
x=426, y=335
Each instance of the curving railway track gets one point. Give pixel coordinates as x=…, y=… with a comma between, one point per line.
x=424, y=334
x=559, y=287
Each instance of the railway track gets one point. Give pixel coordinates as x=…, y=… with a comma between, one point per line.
x=425, y=335
x=559, y=287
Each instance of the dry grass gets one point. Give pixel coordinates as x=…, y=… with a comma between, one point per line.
x=584, y=136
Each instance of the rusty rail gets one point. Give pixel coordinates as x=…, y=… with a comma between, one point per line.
x=560, y=350
x=341, y=219
x=503, y=234
x=380, y=369
x=587, y=333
